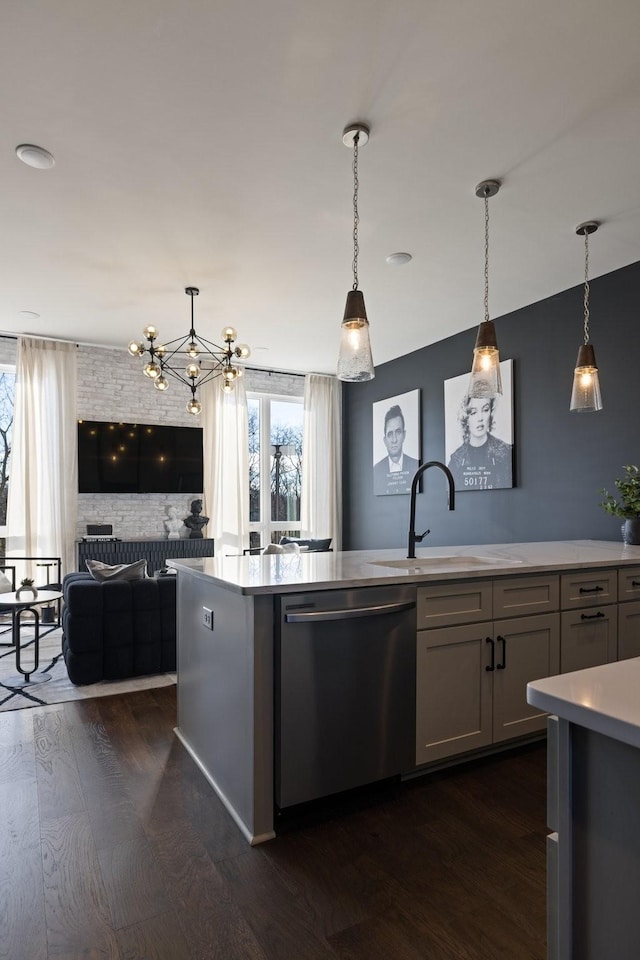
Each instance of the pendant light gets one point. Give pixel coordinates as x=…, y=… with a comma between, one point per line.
x=485, y=373
x=585, y=395
x=355, y=362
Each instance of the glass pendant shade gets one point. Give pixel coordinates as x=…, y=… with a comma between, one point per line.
x=355, y=361
x=585, y=395
x=485, y=380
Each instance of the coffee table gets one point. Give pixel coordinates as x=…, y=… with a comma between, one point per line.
x=18, y=606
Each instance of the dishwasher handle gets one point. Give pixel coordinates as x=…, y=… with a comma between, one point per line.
x=318, y=616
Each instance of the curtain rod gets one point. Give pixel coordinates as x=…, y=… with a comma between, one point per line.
x=102, y=346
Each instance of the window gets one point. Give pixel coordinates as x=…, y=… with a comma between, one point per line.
x=7, y=399
x=275, y=467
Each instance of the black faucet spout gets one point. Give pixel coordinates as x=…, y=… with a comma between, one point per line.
x=419, y=537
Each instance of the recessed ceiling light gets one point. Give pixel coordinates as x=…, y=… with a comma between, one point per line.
x=397, y=259
x=35, y=156
x=29, y=315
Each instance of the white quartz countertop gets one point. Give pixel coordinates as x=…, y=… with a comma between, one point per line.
x=291, y=573
x=604, y=699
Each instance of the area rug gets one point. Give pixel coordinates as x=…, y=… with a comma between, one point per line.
x=59, y=688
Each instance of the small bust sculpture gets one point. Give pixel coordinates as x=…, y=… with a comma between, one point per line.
x=173, y=524
x=195, y=521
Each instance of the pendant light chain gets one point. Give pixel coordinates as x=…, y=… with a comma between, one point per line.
x=586, y=286
x=356, y=217
x=486, y=257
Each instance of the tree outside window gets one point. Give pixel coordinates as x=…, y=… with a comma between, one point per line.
x=275, y=453
x=7, y=398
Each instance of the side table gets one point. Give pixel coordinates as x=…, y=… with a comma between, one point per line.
x=18, y=606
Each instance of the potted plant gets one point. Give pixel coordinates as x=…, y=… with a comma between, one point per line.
x=627, y=504
x=26, y=590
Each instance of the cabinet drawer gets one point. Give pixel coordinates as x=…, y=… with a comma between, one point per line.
x=629, y=583
x=447, y=604
x=588, y=587
x=629, y=630
x=588, y=638
x=524, y=595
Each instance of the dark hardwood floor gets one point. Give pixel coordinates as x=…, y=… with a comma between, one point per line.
x=114, y=846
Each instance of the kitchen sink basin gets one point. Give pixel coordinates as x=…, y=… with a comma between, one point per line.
x=425, y=563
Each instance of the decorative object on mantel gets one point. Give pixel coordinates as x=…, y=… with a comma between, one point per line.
x=195, y=521
x=485, y=379
x=627, y=506
x=585, y=395
x=204, y=360
x=355, y=362
x=173, y=524
x=26, y=590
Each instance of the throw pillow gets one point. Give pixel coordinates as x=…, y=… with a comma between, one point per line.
x=286, y=548
x=5, y=583
x=314, y=546
x=119, y=571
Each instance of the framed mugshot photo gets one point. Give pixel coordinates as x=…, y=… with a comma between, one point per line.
x=396, y=443
x=479, y=434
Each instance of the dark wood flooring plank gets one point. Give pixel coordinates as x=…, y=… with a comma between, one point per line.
x=340, y=886
x=75, y=899
x=275, y=907
x=134, y=886
x=22, y=918
x=183, y=792
x=394, y=937
x=159, y=938
x=59, y=783
x=16, y=726
x=210, y=919
x=17, y=762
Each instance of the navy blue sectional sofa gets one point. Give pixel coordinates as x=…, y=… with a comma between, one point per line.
x=118, y=629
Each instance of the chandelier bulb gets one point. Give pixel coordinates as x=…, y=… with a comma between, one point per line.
x=152, y=370
x=135, y=348
x=192, y=351
x=242, y=351
x=161, y=383
x=150, y=332
x=193, y=371
x=229, y=333
x=194, y=407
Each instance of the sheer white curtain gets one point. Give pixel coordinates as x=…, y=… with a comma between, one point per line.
x=321, y=496
x=225, y=428
x=43, y=484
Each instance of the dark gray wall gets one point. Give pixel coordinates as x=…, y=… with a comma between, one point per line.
x=562, y=459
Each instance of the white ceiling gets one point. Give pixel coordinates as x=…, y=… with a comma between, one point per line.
x=200, y=143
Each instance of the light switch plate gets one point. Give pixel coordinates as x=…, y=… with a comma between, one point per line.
x=207, y=617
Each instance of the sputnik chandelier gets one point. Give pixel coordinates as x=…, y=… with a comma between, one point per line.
x=192, y=360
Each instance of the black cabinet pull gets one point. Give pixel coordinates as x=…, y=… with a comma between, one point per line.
x=590, y=589
x=492, y=665
x=635, y=583
x=591, y=616
x=502, y=665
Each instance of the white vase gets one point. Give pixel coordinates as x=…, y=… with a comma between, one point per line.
x=26, y=591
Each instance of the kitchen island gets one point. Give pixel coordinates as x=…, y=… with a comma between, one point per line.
x=593, y=810
x=228, y=636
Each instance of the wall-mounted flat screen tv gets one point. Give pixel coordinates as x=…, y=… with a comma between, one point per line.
x=138, y=458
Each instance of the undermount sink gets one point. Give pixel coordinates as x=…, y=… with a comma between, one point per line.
x=423, y=563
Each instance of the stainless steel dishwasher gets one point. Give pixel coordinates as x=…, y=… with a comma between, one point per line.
x=345, y=686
